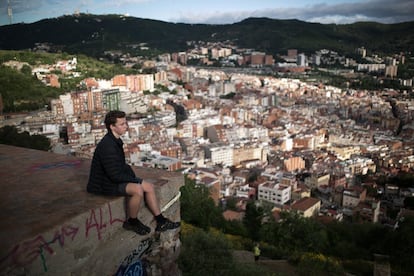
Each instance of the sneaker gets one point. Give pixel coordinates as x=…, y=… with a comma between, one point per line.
x=167, y=225
x=140, y=228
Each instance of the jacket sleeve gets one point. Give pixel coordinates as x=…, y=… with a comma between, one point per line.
x=115, y=167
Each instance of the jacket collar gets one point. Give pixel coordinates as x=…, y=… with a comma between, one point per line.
x=118, y=141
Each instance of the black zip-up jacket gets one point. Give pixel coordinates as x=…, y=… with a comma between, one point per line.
x=108, y=167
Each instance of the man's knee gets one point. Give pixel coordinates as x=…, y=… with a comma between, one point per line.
x=147, y=186
x=134, y=189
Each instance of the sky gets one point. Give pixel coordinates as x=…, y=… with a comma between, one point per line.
x=216, y=11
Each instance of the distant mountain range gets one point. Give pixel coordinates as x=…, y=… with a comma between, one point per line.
x=94, y=34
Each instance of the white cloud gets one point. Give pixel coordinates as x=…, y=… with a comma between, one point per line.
x=341, y=13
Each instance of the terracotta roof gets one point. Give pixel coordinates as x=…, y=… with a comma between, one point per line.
x=305, y=203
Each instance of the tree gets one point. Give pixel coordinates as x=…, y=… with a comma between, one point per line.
x=253, y=220
x=295, y=233
x=26, y=69
x=197, y=207
x=22, y=92
x=204, y=254
x=180, y=112
x=10, y=136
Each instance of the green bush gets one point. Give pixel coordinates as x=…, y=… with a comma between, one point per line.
x=313, y=264
x=203, y=254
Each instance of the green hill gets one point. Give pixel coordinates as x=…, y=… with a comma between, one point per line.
x=93, y=34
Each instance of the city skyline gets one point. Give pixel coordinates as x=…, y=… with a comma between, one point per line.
x=214, y=12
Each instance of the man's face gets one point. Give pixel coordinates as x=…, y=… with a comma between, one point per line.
x=120, y=127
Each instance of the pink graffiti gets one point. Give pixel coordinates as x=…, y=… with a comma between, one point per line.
x=98, y=223
x=26, y=252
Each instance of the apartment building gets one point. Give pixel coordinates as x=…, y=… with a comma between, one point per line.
x=372, y=67
x=274, y=192
x=189, y=129
x=111, y=99
x=351, y=197
x=301, y=60
x=307, y=207
x=294, y=163
x=316, y=180
x=368, y=211
x=95, y=101
x=344, y=152
x=245, y=191
x=269, y=60
x=142, y=82
x=257, y=59
x=219, y=154
x=300, y=191
x=359, y=165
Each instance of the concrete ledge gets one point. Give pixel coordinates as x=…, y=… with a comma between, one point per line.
x=50, y=224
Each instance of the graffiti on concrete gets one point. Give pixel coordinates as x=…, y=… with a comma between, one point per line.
x=132, y=264
x=55, y=165
x=135, y=269
x=99, y=223
x=26, y=252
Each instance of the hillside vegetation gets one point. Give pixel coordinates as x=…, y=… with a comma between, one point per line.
x=312, y=247
x=94, y=34
x=21, y=91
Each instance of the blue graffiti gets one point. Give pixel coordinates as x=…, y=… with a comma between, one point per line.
x=132, y=264
x=135, y=269
x=65, y=164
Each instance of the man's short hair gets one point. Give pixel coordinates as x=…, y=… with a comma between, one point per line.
x=111, y=116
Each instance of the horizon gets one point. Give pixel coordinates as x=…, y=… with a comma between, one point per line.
x=213, y=11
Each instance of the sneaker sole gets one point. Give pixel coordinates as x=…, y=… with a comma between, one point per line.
x=171, y=227
x=135, y=229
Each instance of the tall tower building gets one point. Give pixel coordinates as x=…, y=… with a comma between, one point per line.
x=301, y=60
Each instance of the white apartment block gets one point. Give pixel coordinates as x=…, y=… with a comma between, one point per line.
x=375, y=67
x=359, y=165
x=67, y=104
x=132, y=102
x=243, y=191
x=274, y=192
x=301, y=60
x=167, y=118
x=220, y=155
x=243, y=134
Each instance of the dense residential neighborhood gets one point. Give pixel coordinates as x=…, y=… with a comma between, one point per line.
x=307, y=147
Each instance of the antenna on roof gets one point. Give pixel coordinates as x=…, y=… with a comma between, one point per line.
x=9, y=12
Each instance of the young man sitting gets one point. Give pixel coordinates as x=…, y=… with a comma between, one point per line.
x=111, y=175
